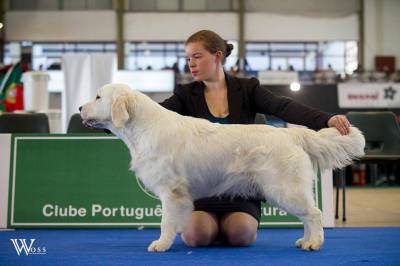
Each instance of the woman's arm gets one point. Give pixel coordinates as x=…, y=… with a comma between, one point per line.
x=175, y=102
x=287, y=109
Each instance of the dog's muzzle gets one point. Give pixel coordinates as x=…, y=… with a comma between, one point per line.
x=91, y=123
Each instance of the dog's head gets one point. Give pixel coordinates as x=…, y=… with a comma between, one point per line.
x=112, y=107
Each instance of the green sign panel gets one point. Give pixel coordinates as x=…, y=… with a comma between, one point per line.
x=85, y=181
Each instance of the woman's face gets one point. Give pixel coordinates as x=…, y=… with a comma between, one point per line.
x=202, y=64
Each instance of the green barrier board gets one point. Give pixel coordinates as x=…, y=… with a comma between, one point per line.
x=84, y=181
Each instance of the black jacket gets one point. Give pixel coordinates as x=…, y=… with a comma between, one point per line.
x=245, y=98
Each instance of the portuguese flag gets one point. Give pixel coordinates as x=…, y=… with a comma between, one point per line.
x=11, y=93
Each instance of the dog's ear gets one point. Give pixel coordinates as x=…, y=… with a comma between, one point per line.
x=120, y=111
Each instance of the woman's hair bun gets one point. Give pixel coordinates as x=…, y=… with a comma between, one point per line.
x=229, y=48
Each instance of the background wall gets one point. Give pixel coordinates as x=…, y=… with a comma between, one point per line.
x=309, y=20
x=61, y=26
x=273, y=27
x=382, y=32
x=178, y=26
x=100, y=26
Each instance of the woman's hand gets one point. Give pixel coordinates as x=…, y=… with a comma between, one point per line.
x=341, y=123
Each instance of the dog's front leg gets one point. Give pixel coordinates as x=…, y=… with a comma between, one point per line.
x=176, y=209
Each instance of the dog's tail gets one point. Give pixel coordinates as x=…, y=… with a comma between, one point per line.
x=329, y=148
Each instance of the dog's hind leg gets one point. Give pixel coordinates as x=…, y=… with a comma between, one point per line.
x=176, y=209
x=300, y=203
x=314, y=233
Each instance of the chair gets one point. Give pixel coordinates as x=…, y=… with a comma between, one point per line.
x=75, y=126
x=24, y=123
x=382, y=136
x=381, y=132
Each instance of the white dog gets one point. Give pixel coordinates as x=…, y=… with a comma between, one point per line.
x=182, y=159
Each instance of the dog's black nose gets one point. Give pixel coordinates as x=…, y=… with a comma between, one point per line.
x=80, y=108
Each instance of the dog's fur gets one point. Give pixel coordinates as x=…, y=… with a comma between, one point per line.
x=182, y=159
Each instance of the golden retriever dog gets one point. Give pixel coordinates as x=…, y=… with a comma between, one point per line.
x=181, y=159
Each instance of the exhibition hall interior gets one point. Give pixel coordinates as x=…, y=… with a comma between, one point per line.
x=310, y=58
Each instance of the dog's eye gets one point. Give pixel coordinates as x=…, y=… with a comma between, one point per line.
x=97, y=97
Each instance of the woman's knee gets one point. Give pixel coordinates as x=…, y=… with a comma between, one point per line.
x=201, y=230
x=197, y=238
x=240, y=236
x=239, y=230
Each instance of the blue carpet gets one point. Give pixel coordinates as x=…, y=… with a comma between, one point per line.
x=343, y=246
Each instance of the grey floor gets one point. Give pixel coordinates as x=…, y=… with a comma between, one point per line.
x=366, y=207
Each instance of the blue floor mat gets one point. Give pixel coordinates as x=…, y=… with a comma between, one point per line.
x=343, y=246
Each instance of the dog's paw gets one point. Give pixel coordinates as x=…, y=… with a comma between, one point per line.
x=308, y=245
x=299, y=242
x=158, y=246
